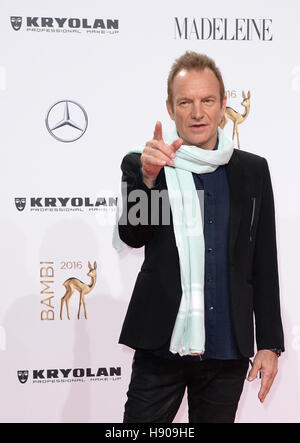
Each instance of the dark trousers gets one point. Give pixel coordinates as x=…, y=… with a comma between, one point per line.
x=157, y=387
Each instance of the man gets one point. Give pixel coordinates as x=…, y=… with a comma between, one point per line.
x=190, y=317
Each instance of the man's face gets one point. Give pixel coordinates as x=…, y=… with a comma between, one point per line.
x=197, y=109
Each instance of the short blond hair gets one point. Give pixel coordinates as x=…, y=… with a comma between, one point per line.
x=193, y=60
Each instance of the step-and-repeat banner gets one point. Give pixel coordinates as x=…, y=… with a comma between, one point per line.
x=82, y=83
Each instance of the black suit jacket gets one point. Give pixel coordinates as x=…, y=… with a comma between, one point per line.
x=254, y=287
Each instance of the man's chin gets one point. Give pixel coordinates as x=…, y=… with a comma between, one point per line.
x=199, y=140
x=195, y=141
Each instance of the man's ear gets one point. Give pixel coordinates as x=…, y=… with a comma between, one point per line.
x=170, y=110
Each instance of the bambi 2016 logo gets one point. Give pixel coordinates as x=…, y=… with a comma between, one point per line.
x=50, y=290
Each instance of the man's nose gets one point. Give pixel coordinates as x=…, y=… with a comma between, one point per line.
x=197, y=111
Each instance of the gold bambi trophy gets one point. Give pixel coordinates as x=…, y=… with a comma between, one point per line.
x=237, y=118
x=74, y=283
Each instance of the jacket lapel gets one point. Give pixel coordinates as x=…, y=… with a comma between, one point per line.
x=236, y=180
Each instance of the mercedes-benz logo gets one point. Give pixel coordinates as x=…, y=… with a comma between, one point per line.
x=61, y=126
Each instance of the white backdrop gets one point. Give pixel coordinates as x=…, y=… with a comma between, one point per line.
x=117, y=73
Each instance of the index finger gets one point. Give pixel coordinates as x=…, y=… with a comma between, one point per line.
x=158, y=131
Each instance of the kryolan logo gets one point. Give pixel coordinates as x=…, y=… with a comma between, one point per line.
x=58, y=204
x=23, y=376
x=71, y=375
x=16, y=22
x=20, y=203
x=64, y=23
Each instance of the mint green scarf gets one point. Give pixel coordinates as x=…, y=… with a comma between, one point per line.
x=188, y=335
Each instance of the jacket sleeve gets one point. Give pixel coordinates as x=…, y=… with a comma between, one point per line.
x=269, y=333
x=135, y=222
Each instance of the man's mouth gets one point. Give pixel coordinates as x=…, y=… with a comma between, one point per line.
x=198, y=126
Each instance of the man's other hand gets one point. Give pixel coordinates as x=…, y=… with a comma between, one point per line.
x=266, y=362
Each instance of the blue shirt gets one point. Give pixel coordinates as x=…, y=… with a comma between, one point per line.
x=220, y=341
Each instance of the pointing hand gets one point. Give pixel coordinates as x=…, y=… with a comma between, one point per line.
x=157, y=154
